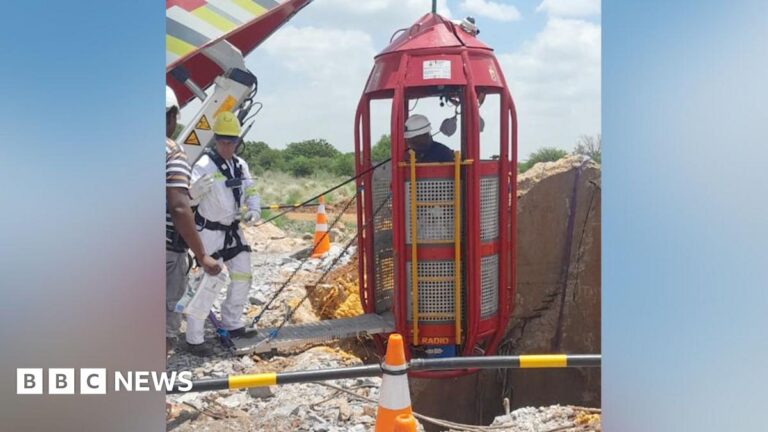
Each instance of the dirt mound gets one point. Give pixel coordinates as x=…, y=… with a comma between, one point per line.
x=340, y=296
x=557, y=306
x=263, y=233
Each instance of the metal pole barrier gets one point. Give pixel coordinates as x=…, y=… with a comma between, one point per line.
x=267, y=379
x=547, y=361
x=492, y=362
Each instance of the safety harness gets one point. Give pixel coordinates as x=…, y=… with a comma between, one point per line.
x=233, y=244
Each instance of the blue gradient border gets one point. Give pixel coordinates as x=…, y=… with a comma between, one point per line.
x=685, y=220
x=81, y=237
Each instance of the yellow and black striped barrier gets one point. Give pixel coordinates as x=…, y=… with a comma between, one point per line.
x=538, y=361
x=266, y=379
x=287, y=206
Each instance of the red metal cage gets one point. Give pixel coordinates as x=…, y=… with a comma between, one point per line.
x=462, y=281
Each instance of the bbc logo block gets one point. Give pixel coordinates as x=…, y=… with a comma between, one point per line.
x=95, y=381
x=61, y=381
x=29, y=381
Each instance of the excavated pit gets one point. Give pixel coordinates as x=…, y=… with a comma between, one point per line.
x=557, y=300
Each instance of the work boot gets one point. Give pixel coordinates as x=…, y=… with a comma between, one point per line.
x=201, y=350
x=238, y=332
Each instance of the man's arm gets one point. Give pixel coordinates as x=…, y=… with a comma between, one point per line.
x=184, y=223
x=252, y=200
x=201, y=181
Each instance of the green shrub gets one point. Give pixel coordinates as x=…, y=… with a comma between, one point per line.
x=381, y=150
x=589, y=145
x=294, y=197
x=544, y=154
x=271, y=159
x=310, y=149
x=255, y=153
x=301, y=166
x=343, y=165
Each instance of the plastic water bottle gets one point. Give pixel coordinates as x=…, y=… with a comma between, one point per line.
x=207, y=290
x=194, y=278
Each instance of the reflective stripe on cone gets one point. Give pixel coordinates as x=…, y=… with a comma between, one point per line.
x=394, y=399
x=322, y=243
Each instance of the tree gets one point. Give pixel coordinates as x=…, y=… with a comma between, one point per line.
x=310, y=149
x=343, y=165
x=381, y=150
x=252, y=149
x=544, y=154
x=271, y=159
x=301, y=166
x=589, y=145
x=253, y=153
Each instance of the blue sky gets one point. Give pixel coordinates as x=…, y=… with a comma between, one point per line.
x=312, y=71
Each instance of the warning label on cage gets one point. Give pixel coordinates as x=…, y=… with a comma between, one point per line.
x=436, y=69
x=192, y=139
x=203, y=124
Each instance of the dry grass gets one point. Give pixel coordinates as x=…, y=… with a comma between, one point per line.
x=283, y=188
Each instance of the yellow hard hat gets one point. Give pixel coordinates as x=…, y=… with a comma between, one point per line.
x=226, y=124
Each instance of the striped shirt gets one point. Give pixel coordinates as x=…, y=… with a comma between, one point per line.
x=177, y=175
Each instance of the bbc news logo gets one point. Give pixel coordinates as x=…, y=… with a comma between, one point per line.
x=93, y=381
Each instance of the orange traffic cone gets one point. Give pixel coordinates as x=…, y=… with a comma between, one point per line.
x=405, y=423
x=394, y=397
x=322, y=241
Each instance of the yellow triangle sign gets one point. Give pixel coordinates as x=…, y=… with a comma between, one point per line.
x=192, y=139
x=203, y=124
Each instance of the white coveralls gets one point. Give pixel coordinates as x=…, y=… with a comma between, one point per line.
x=218, y=205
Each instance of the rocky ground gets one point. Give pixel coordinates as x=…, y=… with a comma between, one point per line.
x=549, y=419
x=301, y=407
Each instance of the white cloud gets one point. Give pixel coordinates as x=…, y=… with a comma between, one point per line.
x=555, y=81
x=377, y=17
x=310, y=80
x=321, y=54
x=312, y=71
x=377, y=6
x=490, y=9
x=570, y=8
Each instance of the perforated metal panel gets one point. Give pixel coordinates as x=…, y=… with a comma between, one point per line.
x=436, y=291
x=434, y=223
x=383, y=258
x=489, y=208
x=384, y=270
x=489, y=285
x=382, y=177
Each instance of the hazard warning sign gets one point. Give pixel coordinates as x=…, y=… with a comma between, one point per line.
x=203, y=124
x=192, y=139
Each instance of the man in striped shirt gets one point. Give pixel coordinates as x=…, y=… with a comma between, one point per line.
x=180, y=231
